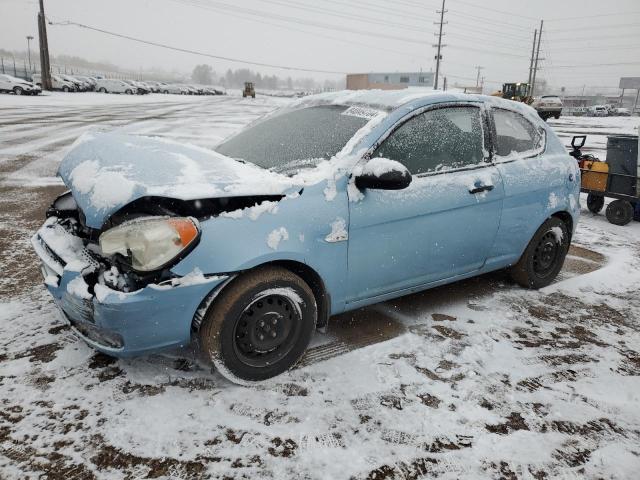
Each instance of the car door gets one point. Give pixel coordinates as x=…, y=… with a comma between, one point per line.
x=444, y=224
x=4, y=83
x=535, y=181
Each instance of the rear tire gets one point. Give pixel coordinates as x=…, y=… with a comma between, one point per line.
x=260, y=325
x=543, y=259
x=620, y=212
x=595, y=203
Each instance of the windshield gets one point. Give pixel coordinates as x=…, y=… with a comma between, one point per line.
x=295, y=137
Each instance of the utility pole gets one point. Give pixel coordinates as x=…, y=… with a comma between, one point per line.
x=29, y=38
x=535, y=68
x=478, y=67
x=439, y=46
x=45, y=68
x=533, y=53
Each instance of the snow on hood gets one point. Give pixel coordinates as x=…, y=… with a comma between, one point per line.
x=106, y=171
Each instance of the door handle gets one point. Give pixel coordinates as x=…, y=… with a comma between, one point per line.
x=481, y=188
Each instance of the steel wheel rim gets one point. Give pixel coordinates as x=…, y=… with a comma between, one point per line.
x=546, y=254
x=266, y=330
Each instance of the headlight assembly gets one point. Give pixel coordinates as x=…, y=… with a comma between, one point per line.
x=152, y=242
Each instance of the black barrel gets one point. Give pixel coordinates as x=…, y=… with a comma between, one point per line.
x=622, y=157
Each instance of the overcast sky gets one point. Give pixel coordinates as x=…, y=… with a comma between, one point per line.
x=349, y=35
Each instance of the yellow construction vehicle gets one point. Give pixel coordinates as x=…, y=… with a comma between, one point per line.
x=518, y=92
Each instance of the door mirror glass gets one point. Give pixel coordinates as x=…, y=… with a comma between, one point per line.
x=383, y=174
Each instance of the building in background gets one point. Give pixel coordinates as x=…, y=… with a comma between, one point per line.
x=389, y=81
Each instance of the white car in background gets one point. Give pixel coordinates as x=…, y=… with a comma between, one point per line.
x=176, y=89
x=57, y=83
x=548, y=106
x=599, y=111
x=622, y=112
x=110, y=85
x=18, y=86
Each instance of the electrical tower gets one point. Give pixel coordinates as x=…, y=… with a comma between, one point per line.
x=439, y=45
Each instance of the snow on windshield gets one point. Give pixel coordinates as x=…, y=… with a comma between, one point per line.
x=297, y=138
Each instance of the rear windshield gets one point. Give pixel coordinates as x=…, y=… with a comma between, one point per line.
x=295, y=138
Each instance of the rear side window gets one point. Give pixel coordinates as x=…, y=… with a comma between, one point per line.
x=441, y=139
x=515, y=134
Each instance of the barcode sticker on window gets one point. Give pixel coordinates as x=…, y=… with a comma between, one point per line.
x=361, y=112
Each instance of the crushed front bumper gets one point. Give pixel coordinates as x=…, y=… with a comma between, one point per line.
x=150, y=319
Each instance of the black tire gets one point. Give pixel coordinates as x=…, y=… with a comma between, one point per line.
x=65, y=89
x=620, y=212
x=166, y=92
x=595, y=203
x=128, y=92
x=18, y=90
x=557, y=116
x=102, y=90
x=544, y=256
x=260, y=325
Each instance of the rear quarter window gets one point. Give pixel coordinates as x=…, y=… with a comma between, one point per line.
x=516, y=135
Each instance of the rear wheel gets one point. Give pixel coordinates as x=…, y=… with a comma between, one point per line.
x=260, y=325
x=595, y=203
x=620, y=212
x=544, y=256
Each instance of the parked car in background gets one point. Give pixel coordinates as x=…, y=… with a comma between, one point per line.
x=89, y=81
x=548, y=106
x=176, y=89
x=599, y=111
x=57, y=83
x=142, y=88
x=11, y=84
x=79, y=84
x=622, y=112
x=109, y=85
x=246, y=248
x=153, y=86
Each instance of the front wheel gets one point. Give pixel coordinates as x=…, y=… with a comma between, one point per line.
x=18, y=91
x=544, y=256
x=260, y=325
x=620, y=212
x=65, y=89
x=595, y=203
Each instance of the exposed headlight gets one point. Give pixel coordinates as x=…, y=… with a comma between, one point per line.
x=152, y=242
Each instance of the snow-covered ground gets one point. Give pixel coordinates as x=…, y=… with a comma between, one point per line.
x=475, y=380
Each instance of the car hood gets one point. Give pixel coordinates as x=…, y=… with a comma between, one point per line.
x=107, y=171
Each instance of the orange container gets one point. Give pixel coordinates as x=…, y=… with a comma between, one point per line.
x=595, y=175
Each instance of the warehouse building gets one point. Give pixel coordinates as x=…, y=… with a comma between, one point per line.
x=389, y=81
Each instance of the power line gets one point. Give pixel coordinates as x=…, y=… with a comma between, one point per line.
x=594, y=16
x=358, y=18
x=194, y=52
x=224, y=9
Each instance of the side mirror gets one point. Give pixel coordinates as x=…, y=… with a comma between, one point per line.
x=383, y=174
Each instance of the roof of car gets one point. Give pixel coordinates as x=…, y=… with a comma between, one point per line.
x=389, y=100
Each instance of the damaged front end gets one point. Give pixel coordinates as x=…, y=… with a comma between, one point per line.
x=115, y=285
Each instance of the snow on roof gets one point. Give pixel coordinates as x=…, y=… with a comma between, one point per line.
x=385, y=99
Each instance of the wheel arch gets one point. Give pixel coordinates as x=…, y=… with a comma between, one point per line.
x=305, y=272
x=567, y=219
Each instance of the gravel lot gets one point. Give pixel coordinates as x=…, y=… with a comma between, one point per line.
x=480, y=379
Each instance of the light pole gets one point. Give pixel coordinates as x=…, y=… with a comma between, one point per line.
x=29, y=38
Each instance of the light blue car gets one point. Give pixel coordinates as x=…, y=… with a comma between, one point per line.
x=338, y=201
